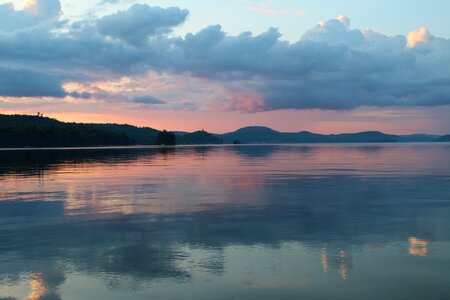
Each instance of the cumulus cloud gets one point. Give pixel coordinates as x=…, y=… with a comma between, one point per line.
x=420, y=37
x=141, y=21
x=32, y=13
x=44, y=9
x=332, y=66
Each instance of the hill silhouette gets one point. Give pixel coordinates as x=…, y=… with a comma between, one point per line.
x=199, y=137
x=258, y=134
x=445, y=138
x=39, y=131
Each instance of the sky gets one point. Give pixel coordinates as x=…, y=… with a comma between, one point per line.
x=320, y=65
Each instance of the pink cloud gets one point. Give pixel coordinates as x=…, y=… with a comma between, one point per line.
x=246, y=101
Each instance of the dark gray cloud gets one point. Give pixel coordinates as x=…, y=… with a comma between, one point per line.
x=147, y=100
x=82, y=95
x=331, y=67
x=24, y=83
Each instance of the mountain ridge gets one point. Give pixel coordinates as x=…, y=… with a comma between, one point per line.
x=40, y=131
x=261, y=134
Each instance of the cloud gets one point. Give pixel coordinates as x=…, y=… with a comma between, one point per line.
x=34, y=12
x=24, y=83
x=80, y=95
x=420, y=37
x=147, y=100
x=332, y=66
x=140, y=22
x=44, y=9
x=335, y=31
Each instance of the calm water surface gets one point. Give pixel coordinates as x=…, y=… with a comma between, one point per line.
x=245, y=222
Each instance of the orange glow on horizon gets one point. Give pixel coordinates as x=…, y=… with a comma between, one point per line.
x=394, y=121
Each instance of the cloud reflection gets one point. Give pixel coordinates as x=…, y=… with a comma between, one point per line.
x=418, y=247
x=146, y=215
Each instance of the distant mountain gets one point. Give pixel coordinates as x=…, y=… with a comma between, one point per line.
x=418, y=138
x=257, y=134
x=254, y=134
x=198, y=138
x=445, y=138
x=256, y=130
x=364, y=137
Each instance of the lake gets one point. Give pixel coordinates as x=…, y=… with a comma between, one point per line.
x=356, y=221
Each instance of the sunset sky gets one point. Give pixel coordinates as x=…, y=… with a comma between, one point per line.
x=320, y=65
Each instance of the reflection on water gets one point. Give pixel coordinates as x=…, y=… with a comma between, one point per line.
x=418, y=247
x=252, y=222
x=341, y=261
x=45, y=285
